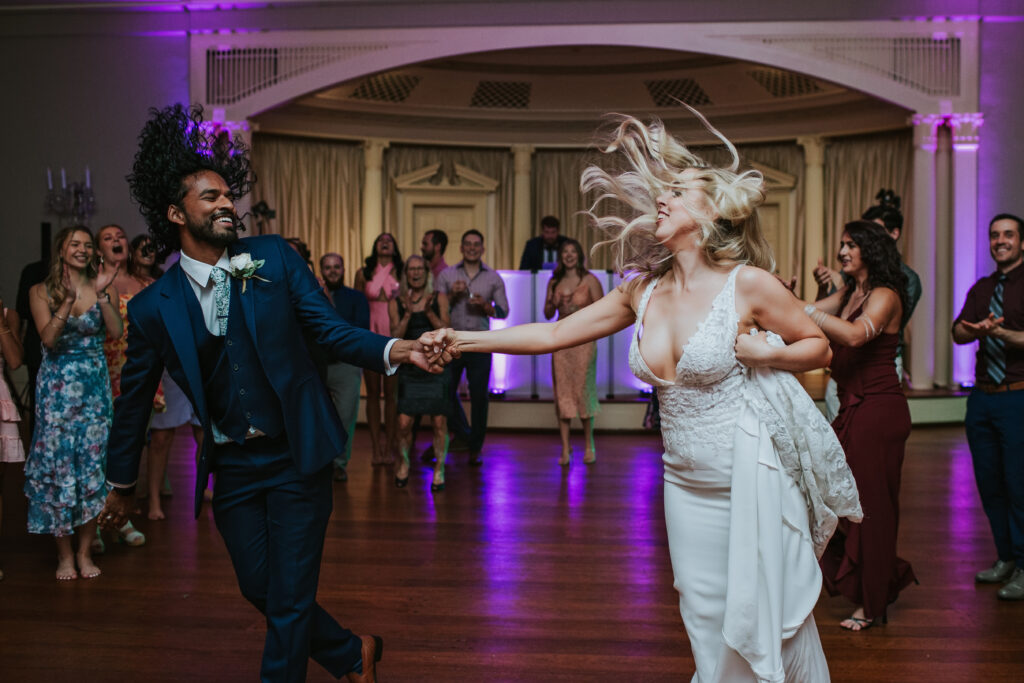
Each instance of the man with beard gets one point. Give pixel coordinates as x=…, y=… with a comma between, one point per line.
x=342, y=378
x=993, y=314
x=432, y=248
x=226, y=322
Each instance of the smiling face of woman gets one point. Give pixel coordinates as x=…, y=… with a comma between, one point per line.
x=570, y=256
x=77, y=252
x=849, y=256
x=113, y=244
x=416, y=272
x=674, y=208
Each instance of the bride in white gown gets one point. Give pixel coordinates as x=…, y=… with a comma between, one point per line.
x=754, y=479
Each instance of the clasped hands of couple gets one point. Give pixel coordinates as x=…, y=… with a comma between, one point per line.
x=436, y=349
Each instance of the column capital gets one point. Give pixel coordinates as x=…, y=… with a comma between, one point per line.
x=965, y=127
x=373, y=153
x=522, y=158
x=814, y=149
x=924, y=130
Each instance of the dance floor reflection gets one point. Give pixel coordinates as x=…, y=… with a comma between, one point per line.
x=519, y=571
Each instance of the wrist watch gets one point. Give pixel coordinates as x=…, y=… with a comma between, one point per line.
x=123, y=490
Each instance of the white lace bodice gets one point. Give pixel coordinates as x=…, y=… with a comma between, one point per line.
x=699, y=406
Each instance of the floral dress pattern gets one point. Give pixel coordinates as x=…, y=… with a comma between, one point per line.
x=115, y=349
x=65, y=470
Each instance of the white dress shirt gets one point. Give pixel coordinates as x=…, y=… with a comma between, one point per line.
x=199, y=277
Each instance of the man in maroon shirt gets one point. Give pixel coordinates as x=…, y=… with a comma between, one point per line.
x=993, y=314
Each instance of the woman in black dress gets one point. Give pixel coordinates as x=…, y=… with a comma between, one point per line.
x=416, y=310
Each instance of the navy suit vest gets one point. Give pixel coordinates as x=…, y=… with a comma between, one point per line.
x=238, y=393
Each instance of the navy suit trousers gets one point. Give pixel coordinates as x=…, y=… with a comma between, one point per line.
x=273, y=522
x=996, y=438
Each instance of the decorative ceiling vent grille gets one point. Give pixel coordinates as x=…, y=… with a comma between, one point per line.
x=672, y=93
x=502, y=95
x=386, y=88
x=232, y=74
x=784, y=83
x=930, y=65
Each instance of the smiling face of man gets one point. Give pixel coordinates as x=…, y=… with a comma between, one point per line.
x=207, y=210
x=1004, y=242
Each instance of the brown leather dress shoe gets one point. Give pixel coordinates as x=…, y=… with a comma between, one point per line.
x=373, y=647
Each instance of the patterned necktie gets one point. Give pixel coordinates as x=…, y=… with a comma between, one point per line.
x=221, y=298
x=995, y=349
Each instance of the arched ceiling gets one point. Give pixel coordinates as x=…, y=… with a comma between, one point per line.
x=557, y=95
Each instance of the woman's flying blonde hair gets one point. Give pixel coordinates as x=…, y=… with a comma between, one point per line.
x=656, y=162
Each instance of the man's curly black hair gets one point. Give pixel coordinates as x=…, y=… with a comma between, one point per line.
x=879, y=254
x=174, y=145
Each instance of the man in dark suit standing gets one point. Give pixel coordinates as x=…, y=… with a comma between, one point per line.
x=541, y=253
x=343, y=379
x=226, y=322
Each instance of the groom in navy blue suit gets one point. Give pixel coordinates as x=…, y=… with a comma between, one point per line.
x=226, y=322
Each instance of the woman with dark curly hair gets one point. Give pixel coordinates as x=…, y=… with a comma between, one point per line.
x=862, y=321
x=378, y=280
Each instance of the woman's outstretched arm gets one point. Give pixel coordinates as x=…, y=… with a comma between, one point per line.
x=606, y=316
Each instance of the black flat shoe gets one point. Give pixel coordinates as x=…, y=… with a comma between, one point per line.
x=400, y=483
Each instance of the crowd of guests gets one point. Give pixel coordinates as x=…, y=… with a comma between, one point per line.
x=78, y=314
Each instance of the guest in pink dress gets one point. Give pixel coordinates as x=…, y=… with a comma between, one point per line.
x=11, y=353
x=571, y=288
x=378, y=280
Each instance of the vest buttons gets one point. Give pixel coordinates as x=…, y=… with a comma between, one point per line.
x=228, y=342
x=241, y=392
x=235, y=367
x=248, y=416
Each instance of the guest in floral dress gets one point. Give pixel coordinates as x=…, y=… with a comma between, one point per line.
x=571, y=288
x=11, y=355
x=65, y=470
x=115, y=261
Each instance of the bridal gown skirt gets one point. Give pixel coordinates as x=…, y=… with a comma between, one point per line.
x=697, y=515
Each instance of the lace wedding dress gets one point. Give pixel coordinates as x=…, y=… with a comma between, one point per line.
x=744, y=526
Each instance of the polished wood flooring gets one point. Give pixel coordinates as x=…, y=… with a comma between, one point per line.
x=519, y=571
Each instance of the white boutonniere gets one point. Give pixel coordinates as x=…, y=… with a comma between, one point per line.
x=244, y=268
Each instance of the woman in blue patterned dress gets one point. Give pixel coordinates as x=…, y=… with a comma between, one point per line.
x=65, y=469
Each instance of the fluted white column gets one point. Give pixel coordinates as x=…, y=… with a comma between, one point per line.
x=373, y=191
x=521, y=190
x=814, y=210
x=943, y=284
x=922, y=253
x=966, y=231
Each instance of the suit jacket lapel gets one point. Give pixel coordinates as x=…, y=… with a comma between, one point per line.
x=173, y=309
x=248, y=298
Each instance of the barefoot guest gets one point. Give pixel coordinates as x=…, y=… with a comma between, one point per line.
x=74, y=312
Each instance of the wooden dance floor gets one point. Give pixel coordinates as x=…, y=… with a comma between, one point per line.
x=519, y=571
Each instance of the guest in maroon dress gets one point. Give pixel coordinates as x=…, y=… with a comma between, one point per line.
x=862, y=321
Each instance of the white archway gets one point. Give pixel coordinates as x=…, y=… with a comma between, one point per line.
x=930, y=68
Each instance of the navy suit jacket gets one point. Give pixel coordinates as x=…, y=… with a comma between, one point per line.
x=275, y=310
x=533, y=253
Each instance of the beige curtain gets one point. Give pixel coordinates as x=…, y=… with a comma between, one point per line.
x=493, y=163
x=556, y=192
x=315, y=186
x=856, y=168
x=556, y=187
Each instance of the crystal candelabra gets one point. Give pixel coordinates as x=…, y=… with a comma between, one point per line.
x=73, y=203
